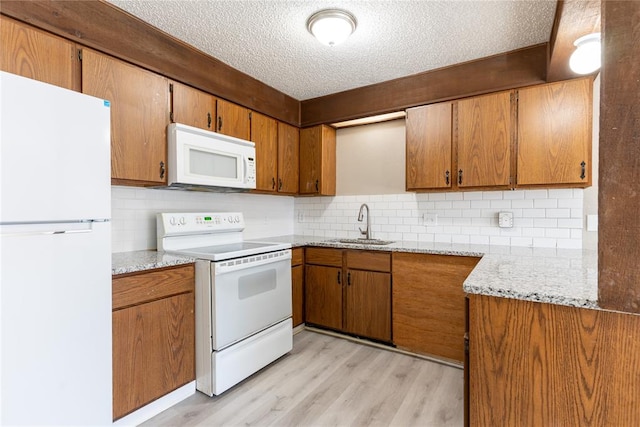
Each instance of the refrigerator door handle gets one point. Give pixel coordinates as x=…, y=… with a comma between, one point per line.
x=48, y=229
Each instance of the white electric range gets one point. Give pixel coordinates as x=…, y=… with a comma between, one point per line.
x=243, y=295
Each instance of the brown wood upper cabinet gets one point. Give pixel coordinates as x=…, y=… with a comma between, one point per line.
x=429, y=147
x=277, y=152
x=139, y=117
x=192, y=107
x=484, y=141
x=233, y=120
x=318, y=161
x=153, y=335
x=349, y=291
x=554, y=134
x=32, y=53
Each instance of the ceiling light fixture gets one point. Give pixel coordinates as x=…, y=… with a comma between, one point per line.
x=586, y=58
x=331, y=26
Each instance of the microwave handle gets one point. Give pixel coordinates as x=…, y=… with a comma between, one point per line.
x=246, y=168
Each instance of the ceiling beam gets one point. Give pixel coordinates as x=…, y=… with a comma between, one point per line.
x=509, y=70
x=574, y=19
x=106, y=28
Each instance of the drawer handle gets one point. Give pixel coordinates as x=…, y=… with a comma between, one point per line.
x=446, y=177
x=583, y=173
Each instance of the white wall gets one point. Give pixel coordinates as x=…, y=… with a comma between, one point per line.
x=133, y=213
x=590, y=238
x=370, y=159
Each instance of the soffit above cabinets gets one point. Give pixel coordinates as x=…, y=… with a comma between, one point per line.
x=268, y=40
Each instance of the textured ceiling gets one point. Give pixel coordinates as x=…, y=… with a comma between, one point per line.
x=268, y=39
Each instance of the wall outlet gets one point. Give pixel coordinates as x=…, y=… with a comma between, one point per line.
x=430, y=219
x=505, y=219
x=300, y=216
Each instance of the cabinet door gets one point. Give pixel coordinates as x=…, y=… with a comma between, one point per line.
x=37, y=55
x=233, y=120
x=554, y=133
x=323, y=296
x=264, y=133
x=153, y=351
x=484, y=126
x=288, y=158
x=318, y=160
x=429, y=303
x=368, y=304
x=139, y=117
x=192, y=107
x=429, y=147
x=297, y=283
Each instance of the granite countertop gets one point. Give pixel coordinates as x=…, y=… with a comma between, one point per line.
x=132, y=262
x=555, y=276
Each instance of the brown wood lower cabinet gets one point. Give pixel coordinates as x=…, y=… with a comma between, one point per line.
x=429, y=303
x=349, y=291
x=297, y=286
x=153, y=336
x=534, y=364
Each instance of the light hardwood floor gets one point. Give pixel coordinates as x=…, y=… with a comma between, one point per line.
x=328, y=381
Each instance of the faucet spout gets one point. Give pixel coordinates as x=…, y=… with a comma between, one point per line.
x=367, y=231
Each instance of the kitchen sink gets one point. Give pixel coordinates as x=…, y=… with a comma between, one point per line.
x=365, y=241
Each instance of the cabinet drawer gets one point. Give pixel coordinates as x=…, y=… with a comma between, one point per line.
x=372, y=261
x=324, y=256
x=151, y=285
x=297, y=256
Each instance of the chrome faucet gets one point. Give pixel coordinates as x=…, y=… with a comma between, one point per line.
x=367, y=231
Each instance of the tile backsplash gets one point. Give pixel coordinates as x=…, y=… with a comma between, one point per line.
x=133, y=213
x=551, y=218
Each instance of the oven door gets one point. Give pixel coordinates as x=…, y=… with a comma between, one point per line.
x=249, y=295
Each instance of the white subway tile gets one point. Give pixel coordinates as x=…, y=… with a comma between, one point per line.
x=472, y=195
x=558, y=233
x=425, y=237
x=479, y=240
x=462, y=239
x=461, y=204
x=409, y=237
x=501, y=204
x=576, y=213
x=523, y=222
x=404, y=213
x=480, y=204
x=396, y=205
x=443, y=205
x=561, y=193
x=498, y=240
x=461, y=221
x=436, y=197
x=522, y=241
x=442, y=238
x=454, y=196
x=558, y=213
x=570, y=203
x=426, y=205
x=492, y=195
x=513, y=195
x=544, y=242
x=522, y=204
x=533, y=232
x=471, y=213
x=571, y=223
x=533, y=213
x=535, y=194
x=578, y=193
x=545, y=203
x=401, y=229
x=545, y=222
x=576, y=233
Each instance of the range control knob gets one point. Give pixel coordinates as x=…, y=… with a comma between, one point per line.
x=183, y=221
x=237, y=218
x=172, y=220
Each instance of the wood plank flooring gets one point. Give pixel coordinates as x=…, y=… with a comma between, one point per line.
x=329, y=381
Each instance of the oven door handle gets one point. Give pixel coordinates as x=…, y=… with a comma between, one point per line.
x=228, y=266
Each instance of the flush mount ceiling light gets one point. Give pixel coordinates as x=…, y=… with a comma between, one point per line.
x=331, y=26
x=586, y=58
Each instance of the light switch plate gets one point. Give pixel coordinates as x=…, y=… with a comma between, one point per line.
x=505, y=219
x=430, y=219
x=592, y=222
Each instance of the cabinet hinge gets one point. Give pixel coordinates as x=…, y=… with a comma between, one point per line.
x=80, y=55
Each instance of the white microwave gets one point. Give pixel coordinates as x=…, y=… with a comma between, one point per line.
x=203, y=160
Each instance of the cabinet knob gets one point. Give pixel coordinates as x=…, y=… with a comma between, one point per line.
x=162, y=170
x=446, y=177
x=219, y=123
x=279, y=184
x=273, y=183
x=583, y=173
x=317, y=185
x=209, y=120
x=460, y=177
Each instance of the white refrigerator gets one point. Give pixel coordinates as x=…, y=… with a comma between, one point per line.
x=55, y=256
